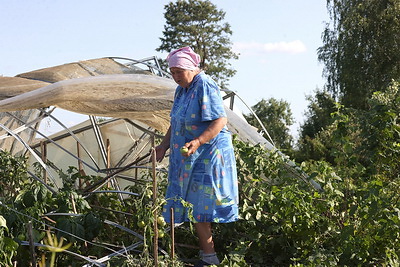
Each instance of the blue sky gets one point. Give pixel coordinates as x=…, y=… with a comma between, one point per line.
x=277, y=40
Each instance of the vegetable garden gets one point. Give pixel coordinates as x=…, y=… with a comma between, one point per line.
x=284, y=221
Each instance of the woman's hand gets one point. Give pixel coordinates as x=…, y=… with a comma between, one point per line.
x=162, y=148
x=160, y=152
x=192, y=146
x=212, y=131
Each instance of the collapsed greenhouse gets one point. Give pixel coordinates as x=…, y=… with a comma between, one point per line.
x=124, y=106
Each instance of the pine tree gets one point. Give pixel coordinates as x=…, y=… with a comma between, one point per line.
x=199, y=24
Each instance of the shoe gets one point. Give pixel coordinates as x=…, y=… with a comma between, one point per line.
x=202, y=263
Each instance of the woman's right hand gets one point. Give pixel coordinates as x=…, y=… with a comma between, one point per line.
x=160, y=152
x=162, y=148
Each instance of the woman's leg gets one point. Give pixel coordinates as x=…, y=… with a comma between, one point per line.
x=208, y=255
x=206, y=242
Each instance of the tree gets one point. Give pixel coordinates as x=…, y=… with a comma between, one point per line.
x=361, y=50
x=312, y=143
x=199, y=24
x=318, y=115
x=277, y=118
x=380, y=133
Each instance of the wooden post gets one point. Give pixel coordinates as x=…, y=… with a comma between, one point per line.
x=155, y=238
x=80, y=165
x=172, y=216
x=108, y=159
x=31, y=244
x=43, y=150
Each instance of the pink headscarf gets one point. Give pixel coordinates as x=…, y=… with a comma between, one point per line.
x=184, y=58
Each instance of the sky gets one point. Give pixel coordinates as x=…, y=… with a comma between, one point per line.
x=277, y=40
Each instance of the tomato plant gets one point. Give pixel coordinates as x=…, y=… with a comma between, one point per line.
x=354, y=221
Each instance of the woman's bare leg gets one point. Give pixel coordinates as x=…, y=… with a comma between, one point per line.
x=203, y=230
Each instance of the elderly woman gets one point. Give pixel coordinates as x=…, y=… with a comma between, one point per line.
x=202, y=168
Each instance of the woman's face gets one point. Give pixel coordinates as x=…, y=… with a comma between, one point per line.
x=183, y=77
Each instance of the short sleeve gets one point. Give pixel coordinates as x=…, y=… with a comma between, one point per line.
x=211, y=104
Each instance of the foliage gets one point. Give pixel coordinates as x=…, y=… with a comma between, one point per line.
x=277, y=118
x=318, y=115
x=361, y=48
x=54, y=245
x=381, y=130
x=8, y=246
x=284, y=221
x=312, y=144
x=199, y=24
x=369, y=137
x=76, y=217
x=354, y=222
x=10, y=169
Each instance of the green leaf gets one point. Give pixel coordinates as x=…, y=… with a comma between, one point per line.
x=3, y=222
x=258, y=215
x=9, y=244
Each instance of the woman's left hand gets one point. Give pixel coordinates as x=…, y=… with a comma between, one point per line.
x=212, y=131
x=192, y=146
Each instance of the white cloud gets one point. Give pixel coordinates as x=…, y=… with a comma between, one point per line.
x=255, y=48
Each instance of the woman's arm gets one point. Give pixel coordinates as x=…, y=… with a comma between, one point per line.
x=212, y=131
x=162, y=148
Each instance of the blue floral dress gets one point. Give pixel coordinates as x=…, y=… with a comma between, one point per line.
x=207, y=179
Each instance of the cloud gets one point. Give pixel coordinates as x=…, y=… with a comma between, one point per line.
x=255, y=48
